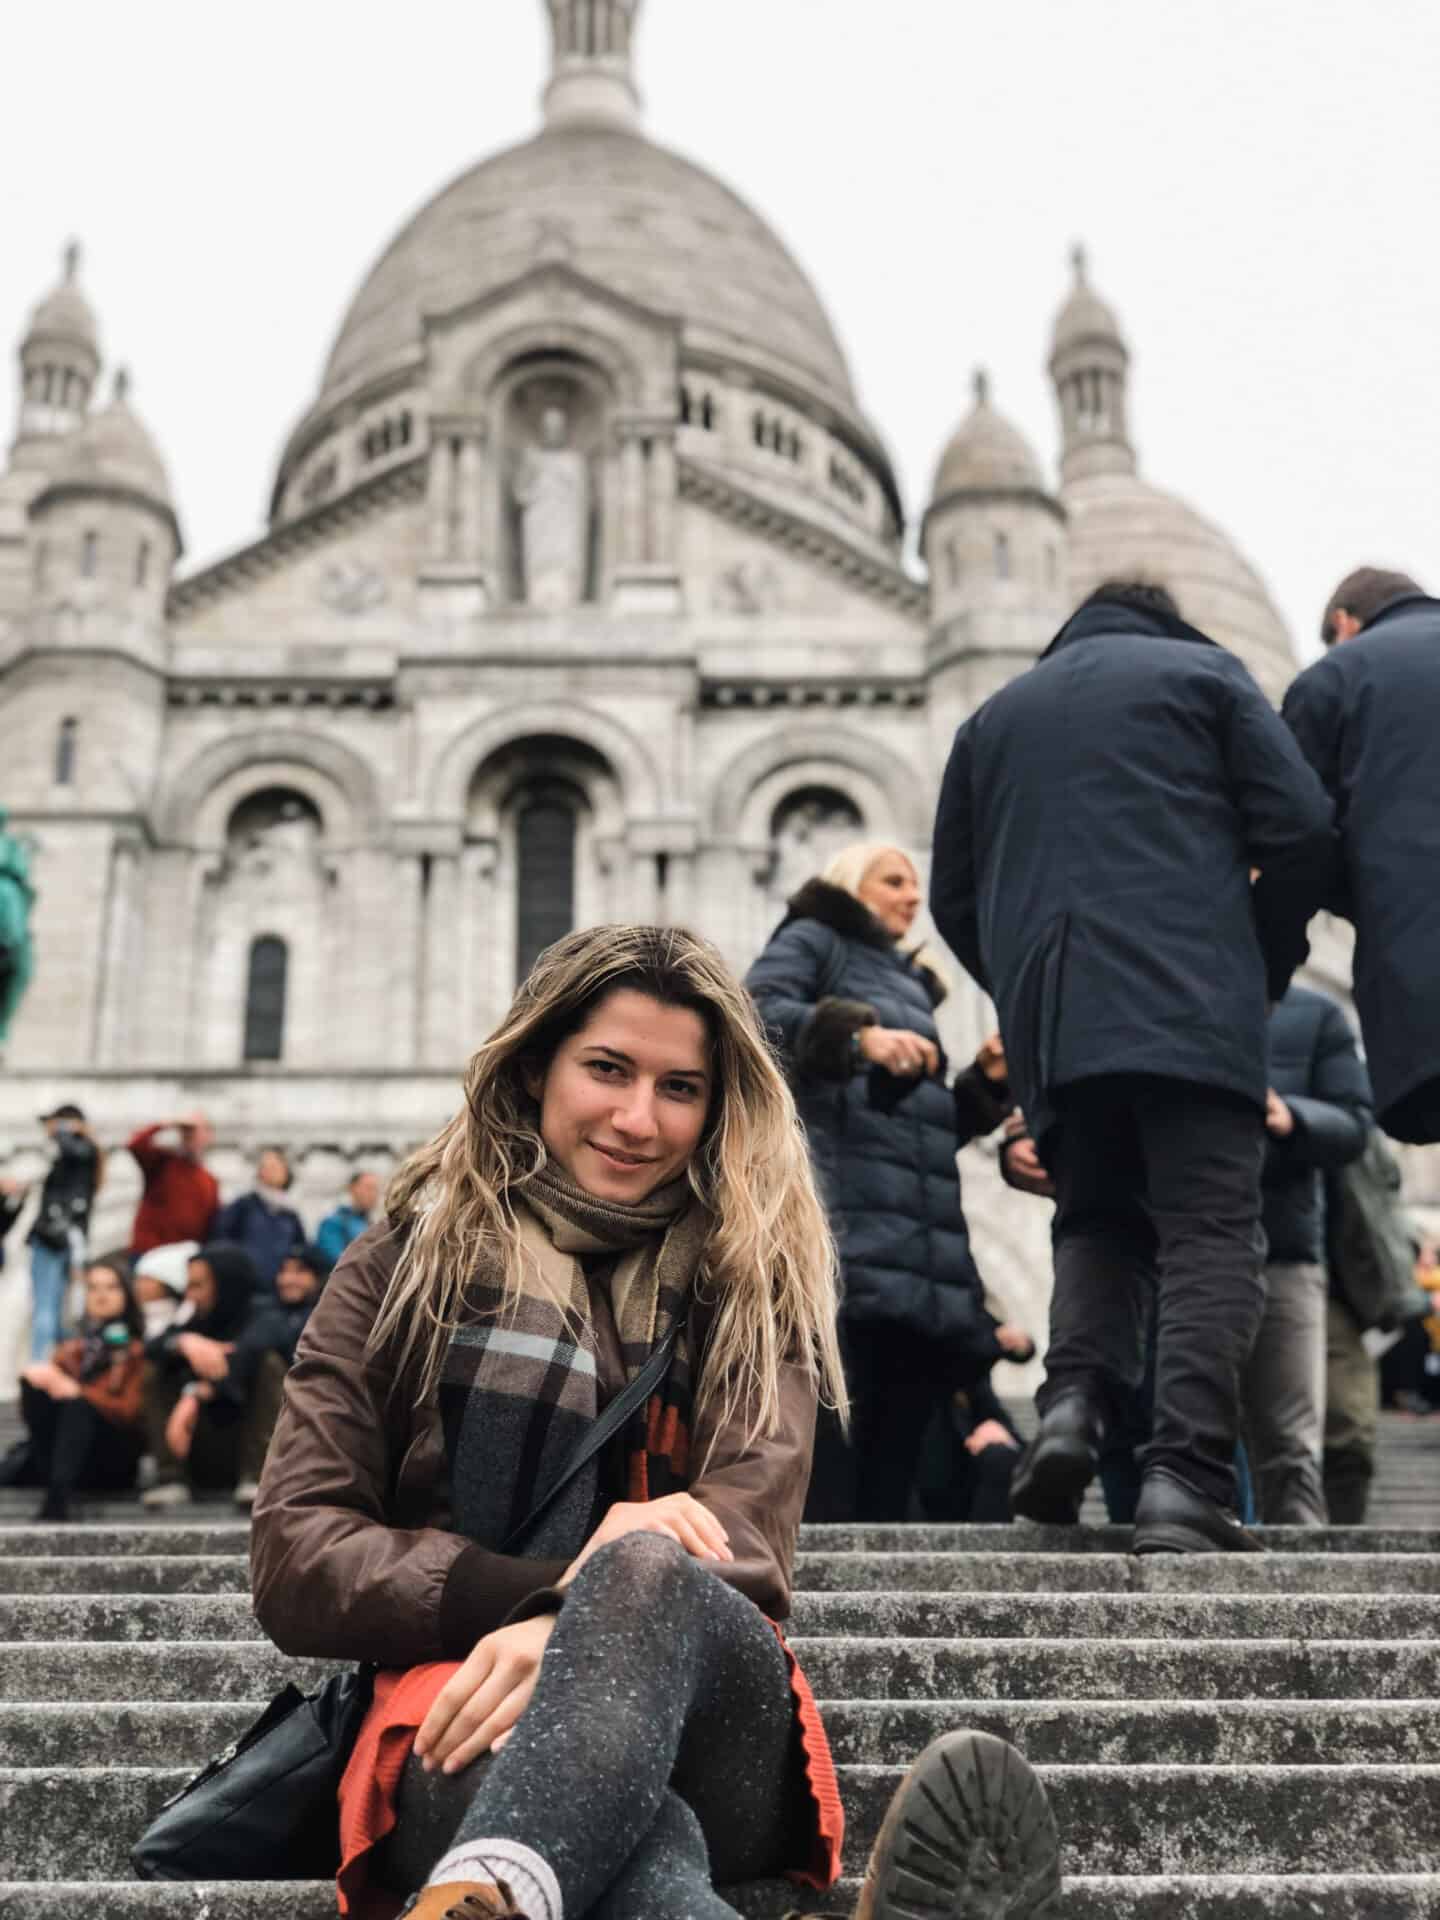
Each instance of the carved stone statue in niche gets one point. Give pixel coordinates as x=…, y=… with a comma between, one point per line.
x=551, y=487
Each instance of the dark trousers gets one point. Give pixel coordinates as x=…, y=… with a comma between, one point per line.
x=74, y=1447
x=1158, y=1197
x=230, y=1442
x=899, y=1382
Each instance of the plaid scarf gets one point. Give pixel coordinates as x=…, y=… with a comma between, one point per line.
x=519, y=1387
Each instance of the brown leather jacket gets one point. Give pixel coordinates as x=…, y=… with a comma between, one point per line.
x=118, y=1394
x=352, y=1556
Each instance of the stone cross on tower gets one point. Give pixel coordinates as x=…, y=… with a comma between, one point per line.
x=591, y=80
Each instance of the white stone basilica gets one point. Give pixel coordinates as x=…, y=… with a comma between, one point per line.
x=582, y=598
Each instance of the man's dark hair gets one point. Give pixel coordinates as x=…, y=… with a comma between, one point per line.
x=311, y=1258
x=1363, y=594
x=1145, y=596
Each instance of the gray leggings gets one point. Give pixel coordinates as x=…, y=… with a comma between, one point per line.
x=659, y=1752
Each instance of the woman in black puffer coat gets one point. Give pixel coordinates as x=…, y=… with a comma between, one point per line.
x=851, y=1007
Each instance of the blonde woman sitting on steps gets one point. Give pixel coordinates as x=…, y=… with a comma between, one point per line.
x=584, y=1706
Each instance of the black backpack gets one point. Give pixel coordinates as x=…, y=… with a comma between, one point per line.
x=1372, y=1245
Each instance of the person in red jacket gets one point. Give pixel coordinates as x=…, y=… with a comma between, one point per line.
x=181, y=1198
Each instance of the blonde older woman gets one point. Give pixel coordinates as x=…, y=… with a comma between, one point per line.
x=850, y=996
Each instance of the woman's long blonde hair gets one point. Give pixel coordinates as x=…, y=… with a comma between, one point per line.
x=769, y=1263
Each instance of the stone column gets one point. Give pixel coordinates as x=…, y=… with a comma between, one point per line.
x=632, y=500
x=476, y=936
x=407, y=933
x=440, y=496
x=472, y=501
x=119, y=975
x=664, y=489
x=680, y=890
x=444, y=1041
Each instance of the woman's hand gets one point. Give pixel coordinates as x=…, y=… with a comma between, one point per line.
x=1015, y=1342
x=990, y=1433
x=899, y=1051
x=1023, y=1166
x=46, y=1377
x=210, y=1359
x=679, y=1516
x=991, y=1060
x=486, y=1697
x=180, y=1427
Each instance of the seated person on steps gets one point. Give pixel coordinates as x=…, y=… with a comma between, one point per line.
x=83, y=1406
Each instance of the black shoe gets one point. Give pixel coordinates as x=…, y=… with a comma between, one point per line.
x=969, y=1836
x=54, y=1507
x=1059, y=1463
x=1173, y=1517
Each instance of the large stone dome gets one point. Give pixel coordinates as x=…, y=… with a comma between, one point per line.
x=631, y=215
x=1121, y=526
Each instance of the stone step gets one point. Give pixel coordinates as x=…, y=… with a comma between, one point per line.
x=844, y=1668
x=854, y=1669
x=1022, y=1537
x=901, y=1616
x=1086, y=1897
x=850, y=1573
x=105, y=1540
x=865, y=1732
x=1116, y=1820
x=123, y=1526
x=130, y=1573
x=158, y=1671
x=315, y=1900
x=1298, y=1573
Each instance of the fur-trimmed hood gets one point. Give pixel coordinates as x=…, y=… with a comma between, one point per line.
x=833, y=907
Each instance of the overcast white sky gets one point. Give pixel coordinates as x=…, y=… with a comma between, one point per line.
x=1256, y=181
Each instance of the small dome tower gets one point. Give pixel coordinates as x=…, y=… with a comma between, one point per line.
x=592, y=82
x=59, y=363
x=995, y=546
x=104, y=524
x=994, y=542
x=1090, y=366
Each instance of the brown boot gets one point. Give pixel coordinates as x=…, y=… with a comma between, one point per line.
x=969, y=1836
x=464, y=1900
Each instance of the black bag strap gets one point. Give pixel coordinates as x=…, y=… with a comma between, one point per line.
x=603, y=1431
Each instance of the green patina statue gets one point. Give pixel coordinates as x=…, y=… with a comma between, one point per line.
x=17, y=897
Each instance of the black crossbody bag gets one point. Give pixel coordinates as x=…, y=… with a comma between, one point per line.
x=267, y=1807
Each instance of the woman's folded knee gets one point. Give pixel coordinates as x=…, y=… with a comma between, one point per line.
x=648, y=1565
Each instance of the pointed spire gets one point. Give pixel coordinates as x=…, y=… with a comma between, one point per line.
x=981, y=383
x=591, y=79
x=72, y=262
x=1080, y=261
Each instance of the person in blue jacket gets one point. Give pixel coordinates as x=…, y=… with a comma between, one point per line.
x=848, y=997
x=350, y=1219
x=262, y=1223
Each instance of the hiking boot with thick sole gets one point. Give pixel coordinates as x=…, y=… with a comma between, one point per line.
x=1059, y=1463
x=1174, y=1517
x=969, y=1836
x=464, y=1900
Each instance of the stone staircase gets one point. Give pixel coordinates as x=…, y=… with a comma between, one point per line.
x=1221, y=1736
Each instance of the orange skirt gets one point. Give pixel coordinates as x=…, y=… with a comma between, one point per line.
x=371, y=1784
